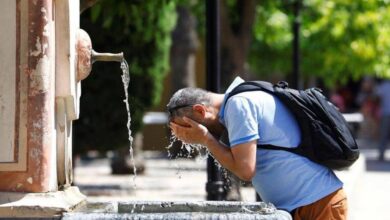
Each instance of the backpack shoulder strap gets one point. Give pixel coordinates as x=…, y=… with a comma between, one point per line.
x=295, y=150
x=252, y=86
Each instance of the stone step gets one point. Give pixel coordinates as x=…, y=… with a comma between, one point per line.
x=39, y=205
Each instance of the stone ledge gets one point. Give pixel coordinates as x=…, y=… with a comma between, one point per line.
x=281, y=215
x=50, y=204
x=170, y=210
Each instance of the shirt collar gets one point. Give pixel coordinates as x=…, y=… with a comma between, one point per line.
x=237, y=81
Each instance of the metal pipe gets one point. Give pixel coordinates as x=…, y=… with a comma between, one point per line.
x=215, y=184
x=116, y=57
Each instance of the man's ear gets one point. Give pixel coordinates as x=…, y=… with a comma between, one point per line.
x=199, y=109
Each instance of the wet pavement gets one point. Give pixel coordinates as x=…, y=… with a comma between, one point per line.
x=163, y=180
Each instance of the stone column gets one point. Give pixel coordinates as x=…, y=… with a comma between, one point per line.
x=32, y=138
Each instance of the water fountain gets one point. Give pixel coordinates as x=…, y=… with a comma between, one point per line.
x=155, y=210
x=41, y=70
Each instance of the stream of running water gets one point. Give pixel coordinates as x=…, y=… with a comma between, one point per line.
x=189, y=148
x=126, y=82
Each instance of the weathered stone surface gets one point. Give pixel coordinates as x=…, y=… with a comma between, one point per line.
x=180, y=216
x=84, y=51
x=39, y=204
x=202, y=206
x=178, y=210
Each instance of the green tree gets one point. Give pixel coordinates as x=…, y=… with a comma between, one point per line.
x=142, y=30
x=340, y=39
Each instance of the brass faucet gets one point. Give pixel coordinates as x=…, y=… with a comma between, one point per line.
x=117, y=57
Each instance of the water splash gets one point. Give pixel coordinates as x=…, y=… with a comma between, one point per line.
x=190, y=149
x=126, y=82
x=202, y=153
x=172, y=140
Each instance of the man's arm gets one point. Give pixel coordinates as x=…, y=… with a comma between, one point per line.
x=240, y=159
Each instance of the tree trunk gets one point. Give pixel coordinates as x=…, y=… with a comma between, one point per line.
x=235, y=40
x=184, y=46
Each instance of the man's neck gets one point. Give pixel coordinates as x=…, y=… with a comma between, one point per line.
x=216, y=103
x=217, y=100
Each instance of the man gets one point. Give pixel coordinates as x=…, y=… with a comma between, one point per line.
x=291, y=182
x=382, y=92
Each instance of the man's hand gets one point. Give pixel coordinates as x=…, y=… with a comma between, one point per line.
x=240, y=159
x=194, y=133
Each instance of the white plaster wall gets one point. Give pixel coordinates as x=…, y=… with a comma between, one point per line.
x=7, y=79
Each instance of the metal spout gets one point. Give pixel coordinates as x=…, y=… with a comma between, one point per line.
x=117, y=57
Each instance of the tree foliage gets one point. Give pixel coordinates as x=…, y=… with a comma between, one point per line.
x=141, y=30
x=340, y=39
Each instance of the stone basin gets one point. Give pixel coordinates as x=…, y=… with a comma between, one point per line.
x=177, y=210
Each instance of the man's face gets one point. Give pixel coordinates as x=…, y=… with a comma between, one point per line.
x=180, y=121
x=199, y=117
x=192, y=115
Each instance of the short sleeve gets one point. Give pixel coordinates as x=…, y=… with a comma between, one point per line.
x=241, y=120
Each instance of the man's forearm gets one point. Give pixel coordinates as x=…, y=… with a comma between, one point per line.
x=222, y=153
x=241, y=159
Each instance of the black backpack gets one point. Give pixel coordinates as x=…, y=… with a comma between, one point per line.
x=326, y=138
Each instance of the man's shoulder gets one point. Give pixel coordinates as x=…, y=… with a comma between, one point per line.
x=246, y=103
x=251, y=95
x=250, y=98
x=239, y=101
